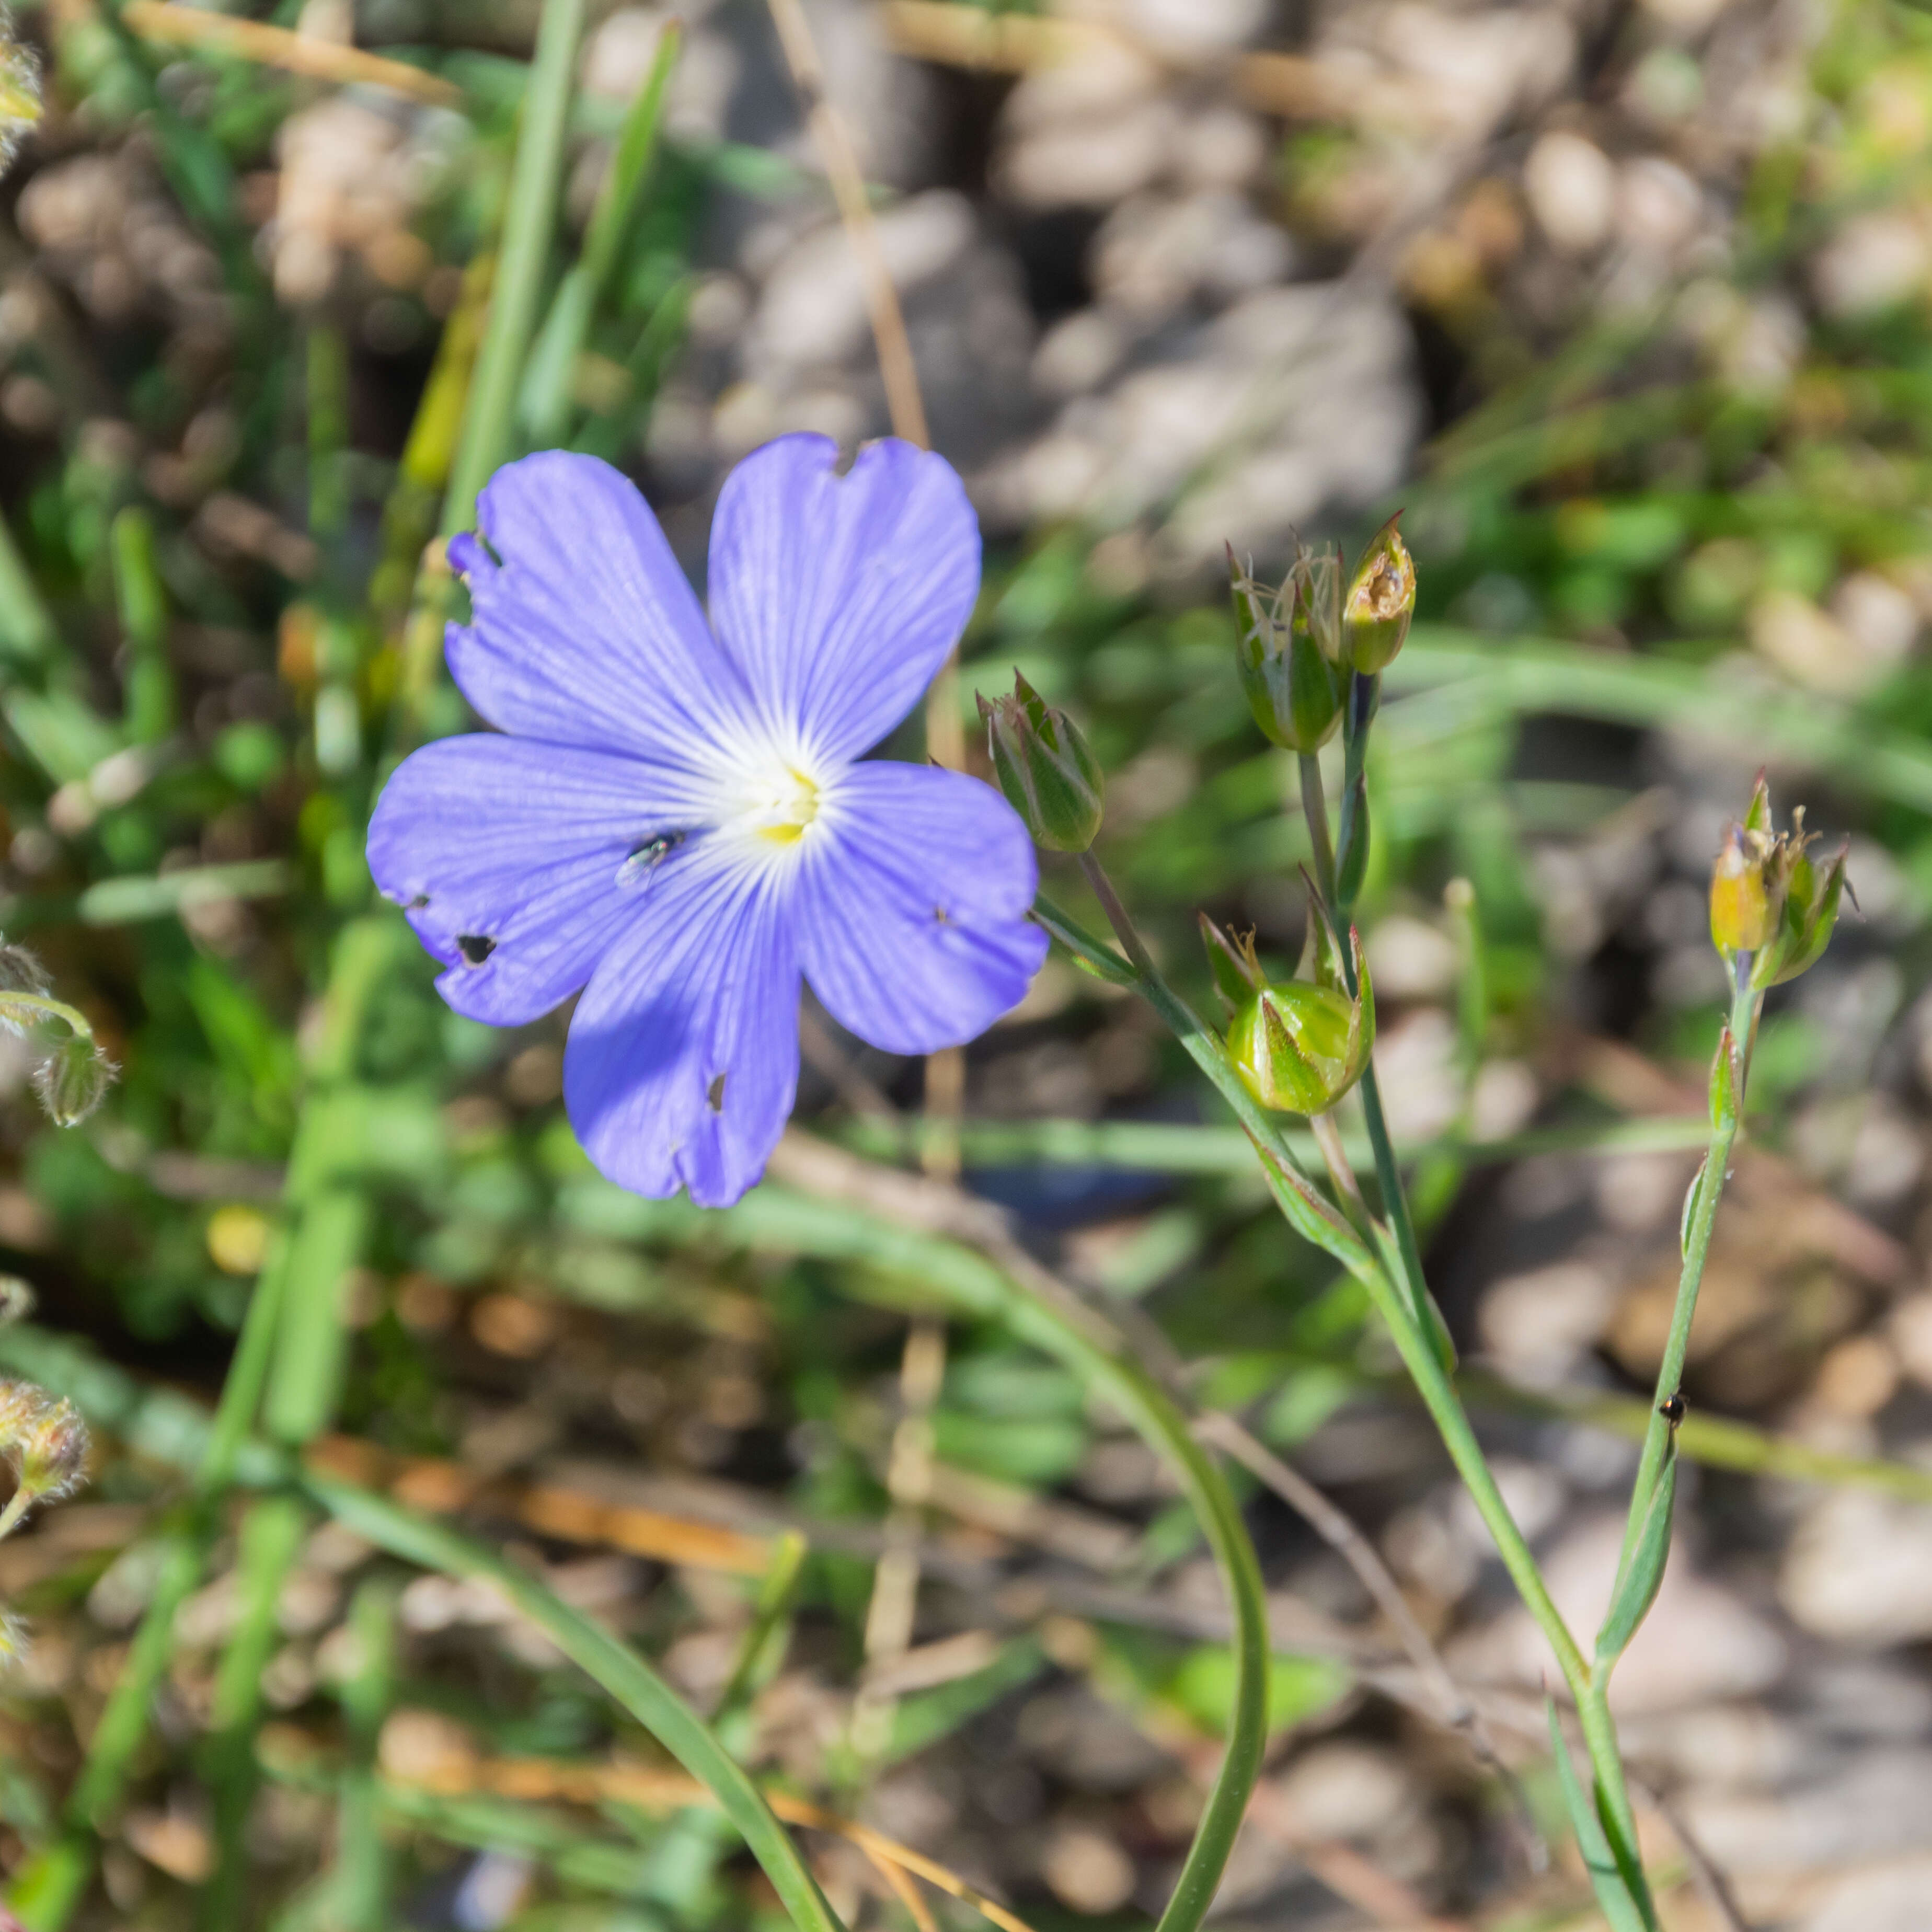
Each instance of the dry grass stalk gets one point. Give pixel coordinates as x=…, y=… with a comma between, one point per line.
x=304, y=54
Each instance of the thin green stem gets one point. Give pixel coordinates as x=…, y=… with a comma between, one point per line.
x=1314, y=810
x=1710, y=1187
x=1341, y=1175
x=1000, y=1281
x=360, y=1879
x=1316, y=1221
x=1124, y=929
x=1388, y=1175
x=271, y=1535
x=18, y=1505
x=20, y=1009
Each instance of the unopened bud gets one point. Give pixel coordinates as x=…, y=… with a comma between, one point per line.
x=72, y=1079
x=1380, y=602
x=1049, y=776
x=1288, y=652
x=1298, y=1047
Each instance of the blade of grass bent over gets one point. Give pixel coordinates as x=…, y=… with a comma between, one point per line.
x=617, y=1669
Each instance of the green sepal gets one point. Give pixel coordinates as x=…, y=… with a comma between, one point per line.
x=1606, y=1877
x=1691, y=1205
x=1637, y=1587
x=1236, y=970
x=1810, y=914
x=1321, y=949
x=1726, y=1084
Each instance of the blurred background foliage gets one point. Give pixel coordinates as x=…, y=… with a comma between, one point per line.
x=1625, y=306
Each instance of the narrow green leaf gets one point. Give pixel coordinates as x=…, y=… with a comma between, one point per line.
x=1637, y=1586
x=612, y=1665
x=551, y=369
x=1100, y=960
x=528, y=226
x=1606, y=1879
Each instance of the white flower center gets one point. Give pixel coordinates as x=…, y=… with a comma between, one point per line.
x=784, y=807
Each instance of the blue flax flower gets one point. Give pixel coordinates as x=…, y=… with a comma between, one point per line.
x=678, y=819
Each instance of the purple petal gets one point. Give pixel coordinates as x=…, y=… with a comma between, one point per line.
x=912, y=908
x=506, y=855
x=839, y=598
x=586, y=632
x=682, y=1060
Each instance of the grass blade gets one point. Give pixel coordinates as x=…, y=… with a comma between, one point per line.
x=618, y=1670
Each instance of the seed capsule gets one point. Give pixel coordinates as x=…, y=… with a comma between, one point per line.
x=1380, y=602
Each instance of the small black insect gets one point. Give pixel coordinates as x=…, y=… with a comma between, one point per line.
x=1672, y=1409
x=646, y=858
x=475, y=947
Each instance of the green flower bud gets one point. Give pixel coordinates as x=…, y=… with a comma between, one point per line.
x=1289, y=650
x=1380, y=602
x=72, y=1079
x=1299, y=1047
x=1049, y=776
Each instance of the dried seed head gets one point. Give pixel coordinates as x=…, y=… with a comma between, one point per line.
x=45, y=1440
x=1380, y=601
x=1288, y=650
x=20, y=89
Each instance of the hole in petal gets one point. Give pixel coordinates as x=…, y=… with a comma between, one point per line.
x=417, y=903
x=475, y=947
x=714, y=1094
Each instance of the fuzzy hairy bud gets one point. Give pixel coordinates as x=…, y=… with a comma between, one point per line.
x=72, y=1079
